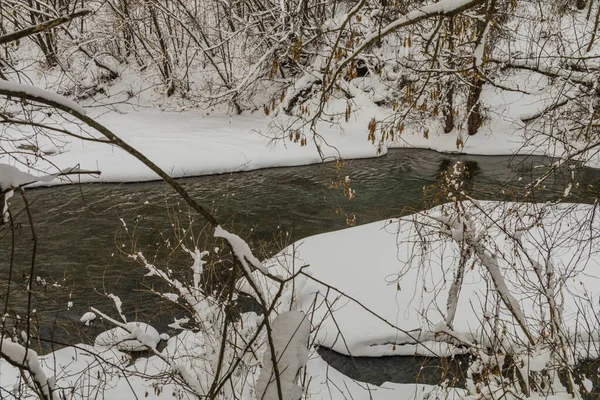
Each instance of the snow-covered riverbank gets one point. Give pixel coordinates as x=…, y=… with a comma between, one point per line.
x=191, y=143
x=392, y=279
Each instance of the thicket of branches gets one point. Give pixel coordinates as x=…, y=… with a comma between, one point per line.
x=428, y=65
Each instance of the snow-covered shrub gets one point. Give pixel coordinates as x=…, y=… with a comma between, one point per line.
x=538, y=319
x=218, y=352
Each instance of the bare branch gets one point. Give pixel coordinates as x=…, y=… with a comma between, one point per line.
x=32, y=30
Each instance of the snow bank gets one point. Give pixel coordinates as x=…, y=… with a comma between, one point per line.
x=385, y=270
x=191, y=144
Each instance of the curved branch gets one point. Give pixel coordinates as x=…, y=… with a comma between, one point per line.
x=443, y=8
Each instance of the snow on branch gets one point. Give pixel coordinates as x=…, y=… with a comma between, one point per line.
x=241, y=250
x=198, y=266
x=131, y=336
x=29, y=91
x=118, y=305
x=462, y=229
x=201, y=304
x=13, y=178
x=27, y=359
x=583, y=78
x=4, y=196
x=480, y=48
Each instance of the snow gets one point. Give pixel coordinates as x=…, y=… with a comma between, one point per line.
x=197, y=268
x=379, y=265
x=28, y=358
x=290, y=333
x=140, y=337
x=184, y=143
x=118, y=305
x=303, y=84
x=538, y=362
x=87, y=318
x=241, y=250
x=440, y=8
x=7, y=86
x=385, y=272
x=11, y=177
x=479, y=50
x=5, y=214
x=176, y=324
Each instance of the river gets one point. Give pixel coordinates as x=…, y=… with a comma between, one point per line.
x=85, y=232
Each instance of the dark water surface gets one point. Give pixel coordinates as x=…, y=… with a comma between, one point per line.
x=83, y=244
x=400, y=369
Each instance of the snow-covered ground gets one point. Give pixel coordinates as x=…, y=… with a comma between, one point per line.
x=190, y=143
x=398, y=274
x=195, y=138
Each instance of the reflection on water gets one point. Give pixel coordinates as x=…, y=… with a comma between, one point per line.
x=84, y=232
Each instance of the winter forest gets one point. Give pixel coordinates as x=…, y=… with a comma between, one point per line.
x=310, y=199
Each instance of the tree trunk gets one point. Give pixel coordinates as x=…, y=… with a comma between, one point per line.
x=448, y=107
x=45, y=41
x=167, y=68
x=475, y=118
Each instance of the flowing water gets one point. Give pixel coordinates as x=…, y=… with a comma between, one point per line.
x=85, y=232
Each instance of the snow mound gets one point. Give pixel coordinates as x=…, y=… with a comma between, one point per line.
x=87, y=318
x=290, y=336
x=142, y=337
